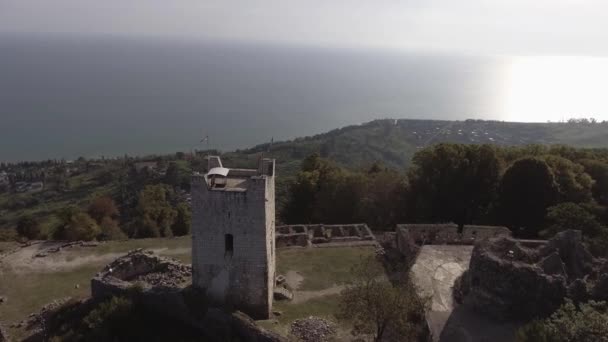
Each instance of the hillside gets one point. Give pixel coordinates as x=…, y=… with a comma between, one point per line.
x=394, y=142
x=389, y=141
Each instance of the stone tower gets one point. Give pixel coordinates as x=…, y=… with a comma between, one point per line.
x=233, y=257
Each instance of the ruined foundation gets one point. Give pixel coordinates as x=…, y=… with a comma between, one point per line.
x=320, y=234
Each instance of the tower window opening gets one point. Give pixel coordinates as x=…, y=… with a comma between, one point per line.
x=228, y=245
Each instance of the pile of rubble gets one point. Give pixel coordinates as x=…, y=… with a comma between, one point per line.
x=515, y=279
x=36, y=321
x=144, y=266
x=168, y=274
x=313, y=329
x=141, y=268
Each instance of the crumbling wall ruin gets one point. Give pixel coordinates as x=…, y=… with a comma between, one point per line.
x=140, y=268
x=319, y=234
x=448, y=233
x=508, y=279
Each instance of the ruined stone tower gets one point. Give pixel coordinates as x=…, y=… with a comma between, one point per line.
x=233, y=259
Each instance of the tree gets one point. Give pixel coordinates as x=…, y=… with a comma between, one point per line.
x=527, y=189
x=181, y=226
x=380, y=309
x=103, y=206
x=172, y=175
x=154, y=214
x=316, y=175
x=569, y=215
x=586, y=323
x=110, y=230
x=598, y=170
x=28, y=227
x=574, y=185
x=451, y=182
x=81, y=227
x=383, y=200
x=178, y=175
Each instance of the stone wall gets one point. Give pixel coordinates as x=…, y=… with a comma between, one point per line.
x=244, y=276
x=319, y=234
x=441, y=234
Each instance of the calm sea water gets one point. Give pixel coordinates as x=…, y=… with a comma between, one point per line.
x=63, y=97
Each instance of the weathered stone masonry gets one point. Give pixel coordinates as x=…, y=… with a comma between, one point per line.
x=233, y=257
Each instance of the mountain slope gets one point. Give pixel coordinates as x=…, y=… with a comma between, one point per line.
x=394, y=142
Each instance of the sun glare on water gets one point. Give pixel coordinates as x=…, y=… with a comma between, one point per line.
x=540, y=89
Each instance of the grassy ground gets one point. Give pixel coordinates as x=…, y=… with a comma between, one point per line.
x=321, y=268
x=26, y=292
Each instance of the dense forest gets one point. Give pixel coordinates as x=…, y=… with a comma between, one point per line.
x=534, y=190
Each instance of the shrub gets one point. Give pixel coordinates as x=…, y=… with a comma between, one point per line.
x=378, y=308
x=8, y=234
x=587, y=322
x=80, y=227
x=101, y=207
x=110, y=230
x=569, y=215
x=154, y=213
x=28, y=227
x=181, y=226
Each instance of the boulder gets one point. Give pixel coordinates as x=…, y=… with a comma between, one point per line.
x=281, y=293
x=575, y=256
x=553, y=265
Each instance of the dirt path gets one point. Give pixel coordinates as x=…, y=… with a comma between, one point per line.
x=294, y=279
x=303, y=296
x=24, y=260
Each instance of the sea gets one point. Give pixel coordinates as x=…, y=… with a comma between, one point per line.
x=65, y=97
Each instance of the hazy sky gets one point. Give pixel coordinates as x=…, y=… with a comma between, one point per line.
x=512, y=27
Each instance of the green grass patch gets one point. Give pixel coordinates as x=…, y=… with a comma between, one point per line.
x=321, y=267
x=183, y=242
x=27, y=293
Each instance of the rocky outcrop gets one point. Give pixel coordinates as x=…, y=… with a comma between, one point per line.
x=509, y=279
